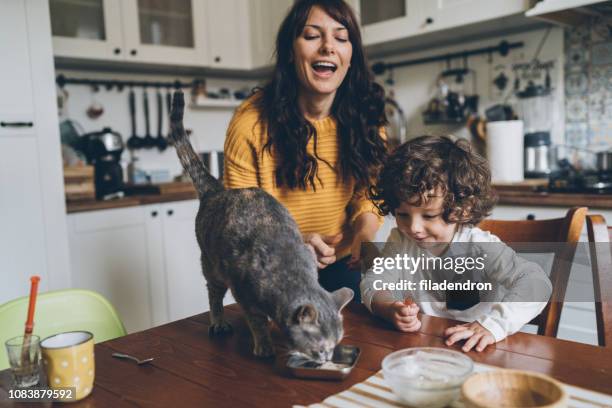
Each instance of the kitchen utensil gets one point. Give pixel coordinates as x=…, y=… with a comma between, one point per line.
x=513, y=388
x=168, y=110
x=136, y=360
x=134, y=142
x=537, y=155
x=95, y=109
x=160, y=141
x=69, y=362
x=604, y=161
x=396, y=128
x=344, y=359
x=426, y=376
x=148, y=141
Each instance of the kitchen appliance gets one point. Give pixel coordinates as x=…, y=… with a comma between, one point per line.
x=103, y=149
x=568, y=179
x=537, y=155
x=535, y=108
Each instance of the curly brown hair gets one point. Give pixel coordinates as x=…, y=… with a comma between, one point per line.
x=436, y=162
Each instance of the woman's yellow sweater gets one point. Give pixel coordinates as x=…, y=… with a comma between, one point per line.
x=329, y=210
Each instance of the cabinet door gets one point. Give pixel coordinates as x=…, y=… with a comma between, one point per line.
x=22, y=240
x=165, y=32
x=16, y=98
x=87, y=29
x=390, y=19
x=228, y=37
x=443, y=14
x=266, y=18
x=186, y=286
x=109, y=254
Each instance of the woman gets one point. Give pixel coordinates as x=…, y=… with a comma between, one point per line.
x=311, y=136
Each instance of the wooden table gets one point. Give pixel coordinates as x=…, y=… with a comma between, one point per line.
x=190, y=369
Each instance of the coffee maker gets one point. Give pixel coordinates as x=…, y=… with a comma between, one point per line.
x=103, y=149
x=535, y=106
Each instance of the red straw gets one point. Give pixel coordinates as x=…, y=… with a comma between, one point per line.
x=29, y=326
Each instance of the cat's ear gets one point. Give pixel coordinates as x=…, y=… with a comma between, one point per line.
x=306, y=314
x=342, y=296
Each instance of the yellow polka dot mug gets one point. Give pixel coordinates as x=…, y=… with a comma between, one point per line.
x=68, y=359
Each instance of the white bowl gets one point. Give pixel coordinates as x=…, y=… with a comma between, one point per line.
x=428, y=377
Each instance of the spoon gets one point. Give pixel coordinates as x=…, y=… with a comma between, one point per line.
x=128, y=357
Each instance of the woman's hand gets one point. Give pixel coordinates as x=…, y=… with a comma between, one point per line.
x=474, y=334
x=322, y=247
x=365, y=228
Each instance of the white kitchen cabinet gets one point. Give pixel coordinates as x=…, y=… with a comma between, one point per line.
x=144, y=259
x=265, y=21
x=400, y=19
x=109, y=254
x=149, y=31
x=382, y=22
x=445, y=14
x=87, y=29
x=228, y=45
x=33, y=236
x=172, y=31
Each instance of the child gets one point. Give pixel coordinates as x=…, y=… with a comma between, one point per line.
x=438, y=190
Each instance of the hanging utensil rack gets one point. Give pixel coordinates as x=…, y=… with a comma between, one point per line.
x=503, y=48
x=109, y=84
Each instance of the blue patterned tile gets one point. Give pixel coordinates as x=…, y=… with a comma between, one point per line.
x=576, y=83
x=576, y=109
x=601, y=31
x=576, y=134
x=602, y=53
x=601, y=80
x=600, y=135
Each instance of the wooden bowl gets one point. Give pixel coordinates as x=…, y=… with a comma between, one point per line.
x=513, y=388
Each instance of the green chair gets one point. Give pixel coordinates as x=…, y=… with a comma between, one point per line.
x=60, y=311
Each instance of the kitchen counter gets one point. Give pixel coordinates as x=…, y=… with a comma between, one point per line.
x=130, y=201
x=528, y=195
x=508, y=195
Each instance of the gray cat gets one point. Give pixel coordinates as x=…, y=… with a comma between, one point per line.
x=251, y=244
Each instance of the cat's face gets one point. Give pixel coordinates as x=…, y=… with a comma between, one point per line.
x=316, y=330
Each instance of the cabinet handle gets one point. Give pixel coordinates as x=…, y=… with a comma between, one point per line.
x=133, y=52
x=429, y=20
x=170, y=212
x=154, y=214
x=16, y=124
x=530, y=217
x=217, y=59
x=117, y=51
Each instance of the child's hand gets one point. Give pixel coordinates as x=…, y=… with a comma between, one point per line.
x=473, y=333
x=404, y=316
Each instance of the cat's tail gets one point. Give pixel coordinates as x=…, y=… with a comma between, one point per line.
x=201, y=178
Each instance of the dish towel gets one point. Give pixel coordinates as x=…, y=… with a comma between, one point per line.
x=375, y=393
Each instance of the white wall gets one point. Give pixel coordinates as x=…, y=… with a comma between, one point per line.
x=209, y=126
x=416, y=85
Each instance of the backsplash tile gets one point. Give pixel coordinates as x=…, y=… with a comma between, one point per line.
x=588, y=85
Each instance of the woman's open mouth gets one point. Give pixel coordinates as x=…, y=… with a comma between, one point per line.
x=324, y=69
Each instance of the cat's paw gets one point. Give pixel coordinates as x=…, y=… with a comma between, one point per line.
x=219, y=329
x=263, y=349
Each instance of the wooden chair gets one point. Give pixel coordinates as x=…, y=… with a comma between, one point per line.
x=601, y=264
x=559, y=230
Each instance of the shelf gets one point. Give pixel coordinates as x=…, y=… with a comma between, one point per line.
x=216, y=104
